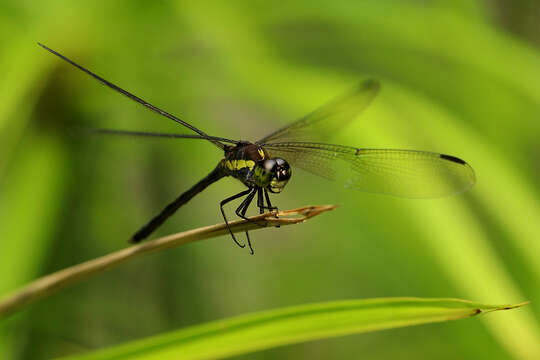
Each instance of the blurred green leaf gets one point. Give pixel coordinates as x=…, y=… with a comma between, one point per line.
x=455, y=79
x=291, y=325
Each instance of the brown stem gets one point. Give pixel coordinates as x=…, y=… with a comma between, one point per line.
x=48, y=284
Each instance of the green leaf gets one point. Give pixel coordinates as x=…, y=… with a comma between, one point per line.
x=268, y=329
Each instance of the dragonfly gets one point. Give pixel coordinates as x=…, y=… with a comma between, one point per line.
x=265, y=166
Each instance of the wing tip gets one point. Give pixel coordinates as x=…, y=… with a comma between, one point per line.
x=43, y=46
x=453, y=159
x=456, y=160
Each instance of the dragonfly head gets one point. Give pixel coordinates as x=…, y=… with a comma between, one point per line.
x=280, y=173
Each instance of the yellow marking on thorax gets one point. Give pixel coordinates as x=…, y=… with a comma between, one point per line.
x=250, y=164
x=239, y=164
x=261, y=152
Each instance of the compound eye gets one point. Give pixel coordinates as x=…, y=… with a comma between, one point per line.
x=284, y=174
x=283, y=170
x=269, y=165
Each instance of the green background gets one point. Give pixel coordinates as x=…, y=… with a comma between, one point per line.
x=458, y=77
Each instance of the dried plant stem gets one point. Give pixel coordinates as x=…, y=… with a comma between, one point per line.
x=48, y=284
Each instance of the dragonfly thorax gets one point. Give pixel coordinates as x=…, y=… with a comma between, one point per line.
x=253, y=166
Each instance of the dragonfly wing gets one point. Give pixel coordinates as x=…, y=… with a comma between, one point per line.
x=405, y=173
x=331, y=117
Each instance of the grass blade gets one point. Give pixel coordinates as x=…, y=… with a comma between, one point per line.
x=268, y=329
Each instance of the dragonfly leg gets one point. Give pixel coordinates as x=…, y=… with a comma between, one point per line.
x=241, y=212
x=260, y=200
x=227, y=200
x=270, y=207
x=242, y=209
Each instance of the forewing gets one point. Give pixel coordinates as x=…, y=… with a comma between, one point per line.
x=405, y=173
x=331, y=117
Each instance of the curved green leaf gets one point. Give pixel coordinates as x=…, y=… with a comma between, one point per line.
x=268, y=329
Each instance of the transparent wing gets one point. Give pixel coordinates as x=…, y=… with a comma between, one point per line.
x=328, y=119
x=406, y=173
x=134, y=97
